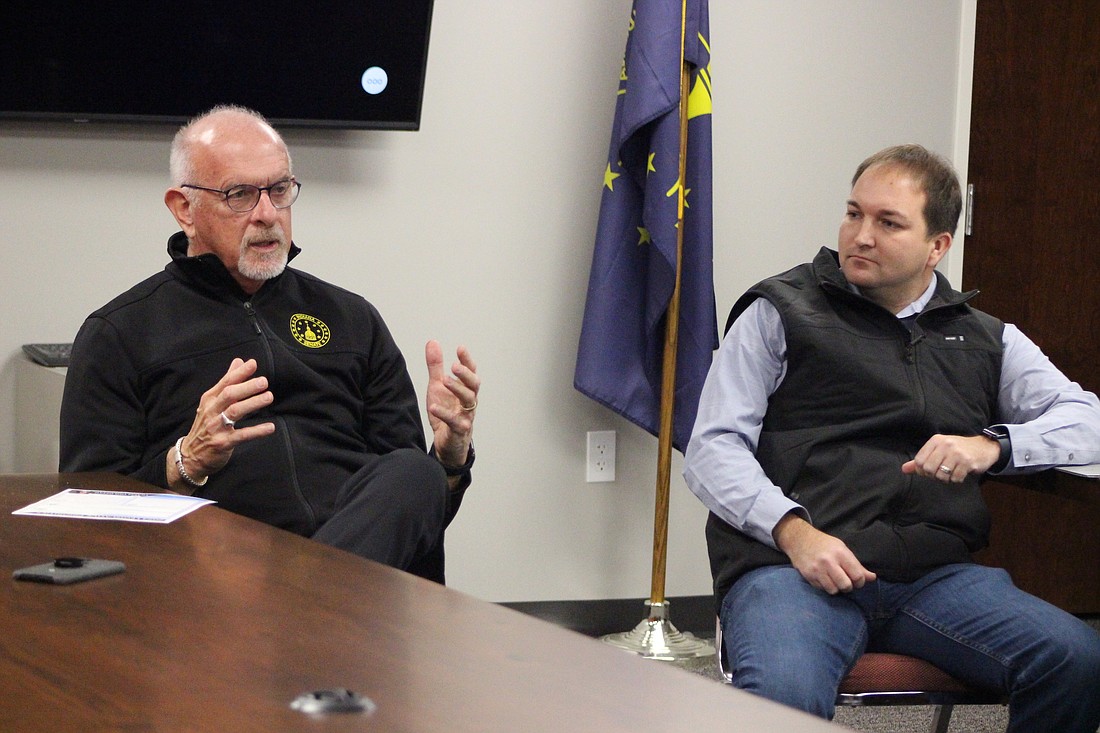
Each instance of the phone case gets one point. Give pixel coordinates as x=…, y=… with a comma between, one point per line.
x=65, y=570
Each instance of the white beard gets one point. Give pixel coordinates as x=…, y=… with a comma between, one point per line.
x=255, y=265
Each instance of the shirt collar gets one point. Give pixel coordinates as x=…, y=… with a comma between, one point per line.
x=917, y=305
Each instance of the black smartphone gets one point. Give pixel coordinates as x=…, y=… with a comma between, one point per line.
x=65, y=570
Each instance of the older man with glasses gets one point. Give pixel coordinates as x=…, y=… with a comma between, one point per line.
x=282, y=397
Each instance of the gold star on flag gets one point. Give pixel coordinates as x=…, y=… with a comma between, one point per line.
x=643, y=236
x=609, y=177
x=649, y=164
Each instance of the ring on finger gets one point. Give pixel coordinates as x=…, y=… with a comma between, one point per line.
x=946, y=470
x=471, y=408
x=226, y=421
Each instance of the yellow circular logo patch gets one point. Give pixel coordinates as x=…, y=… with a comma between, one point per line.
x=309, y=331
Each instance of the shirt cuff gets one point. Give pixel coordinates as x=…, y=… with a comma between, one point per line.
x=767, y=513
x=463, y=470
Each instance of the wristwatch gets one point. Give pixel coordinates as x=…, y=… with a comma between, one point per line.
x=999, y=433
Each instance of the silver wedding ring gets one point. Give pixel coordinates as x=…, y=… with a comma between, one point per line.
x=945, y=469
x=225, y=420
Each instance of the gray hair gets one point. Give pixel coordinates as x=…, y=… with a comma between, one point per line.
x=181, y=163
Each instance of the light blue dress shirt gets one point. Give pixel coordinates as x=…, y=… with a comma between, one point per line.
x=1051, y=420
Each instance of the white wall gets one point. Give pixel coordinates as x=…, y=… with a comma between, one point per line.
x=478, y=229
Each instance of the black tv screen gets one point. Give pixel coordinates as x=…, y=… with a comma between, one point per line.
x=355, y=64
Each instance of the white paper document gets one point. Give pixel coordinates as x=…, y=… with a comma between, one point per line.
x=1092, y=470
x=125, y=506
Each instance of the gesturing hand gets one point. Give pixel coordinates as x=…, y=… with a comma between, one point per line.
x=451, y=403
x=209, y=444
x=953, y=457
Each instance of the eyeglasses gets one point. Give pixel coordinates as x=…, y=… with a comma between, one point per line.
x=245, y=196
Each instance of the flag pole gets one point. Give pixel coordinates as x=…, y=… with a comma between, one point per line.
x=655, y=637
x=668, y=373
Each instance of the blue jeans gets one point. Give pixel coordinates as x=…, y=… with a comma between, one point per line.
x=792, y=643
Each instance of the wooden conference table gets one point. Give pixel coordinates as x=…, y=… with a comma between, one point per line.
x=219, y=622
x=1044, y=534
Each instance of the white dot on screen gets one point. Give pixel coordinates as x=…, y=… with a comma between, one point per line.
x=374, y=80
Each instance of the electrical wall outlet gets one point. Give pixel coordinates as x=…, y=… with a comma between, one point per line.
x=601, y=456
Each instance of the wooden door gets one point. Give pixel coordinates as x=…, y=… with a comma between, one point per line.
x=1034, y=251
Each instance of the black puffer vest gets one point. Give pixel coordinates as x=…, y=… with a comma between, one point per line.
x=861, y=395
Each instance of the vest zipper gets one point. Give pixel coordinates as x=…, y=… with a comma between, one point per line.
x=911, y=347
x=916, y=335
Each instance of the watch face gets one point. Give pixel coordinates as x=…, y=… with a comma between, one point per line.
x=1001, y=436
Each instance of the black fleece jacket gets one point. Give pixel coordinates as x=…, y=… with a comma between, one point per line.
x=141, y=363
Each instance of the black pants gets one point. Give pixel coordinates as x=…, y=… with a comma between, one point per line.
x=392, y=511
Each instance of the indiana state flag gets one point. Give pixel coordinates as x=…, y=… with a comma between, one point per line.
x=634, y=264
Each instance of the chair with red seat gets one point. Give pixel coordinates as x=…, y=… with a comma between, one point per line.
x=896, y=679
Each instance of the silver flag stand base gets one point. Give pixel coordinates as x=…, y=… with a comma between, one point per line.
x=656, y=638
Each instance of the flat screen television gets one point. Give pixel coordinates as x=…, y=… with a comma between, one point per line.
x=355, y=64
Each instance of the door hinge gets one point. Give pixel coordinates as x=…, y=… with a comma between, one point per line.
x=969, y=227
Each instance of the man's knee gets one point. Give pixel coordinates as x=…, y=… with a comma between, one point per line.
x=791, y=676
x=788, y=642
x=403, y=488
x=411, y=483
x=392, y=510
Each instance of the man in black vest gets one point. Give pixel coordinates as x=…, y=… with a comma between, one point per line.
x=846, y=422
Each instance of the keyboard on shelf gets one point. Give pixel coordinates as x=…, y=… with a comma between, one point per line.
x=51, y=355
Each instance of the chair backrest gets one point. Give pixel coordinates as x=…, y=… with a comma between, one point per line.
x=895, y=679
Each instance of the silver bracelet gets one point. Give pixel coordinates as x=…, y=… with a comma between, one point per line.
x=183, y=471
